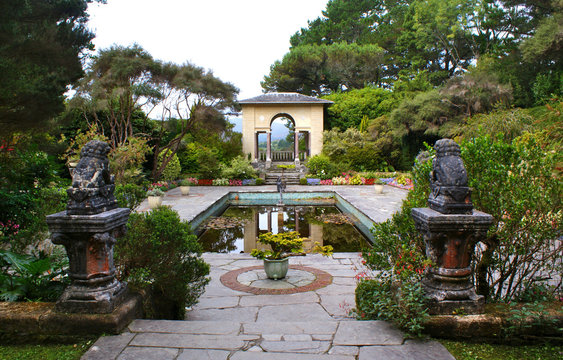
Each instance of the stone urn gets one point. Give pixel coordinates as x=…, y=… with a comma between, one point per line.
x=378, y=188
x=276, y=269
x=154, y=201
x=185, y=190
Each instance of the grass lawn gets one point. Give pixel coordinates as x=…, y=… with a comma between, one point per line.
x=45, y=351
x=472, y=351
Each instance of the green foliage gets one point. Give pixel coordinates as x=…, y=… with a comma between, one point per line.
x=510, y=123
x=42, y=48
x=172, y=170
x=239, y=168
x=27, y=277
x=525, y=317
x=284, y=244
x=155, y=192
x=322, y=167
x=547, y=86
x=160, y=255
x=303, y=181
x=398, y=259
x=209, y=166
x=281, y=244
x=29, y=190
x=45, y=351
x=353, y=150
x=465, y=350
x=259, y=181
x=317, y=69
x=352, y=106
x=129, y=195
x=515, y=182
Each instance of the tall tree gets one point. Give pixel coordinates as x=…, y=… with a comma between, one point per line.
x=119, y=83
x=193, y=97
x=320, y=69
x=41, y=47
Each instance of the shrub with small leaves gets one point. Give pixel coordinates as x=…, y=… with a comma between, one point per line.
x=160, y=255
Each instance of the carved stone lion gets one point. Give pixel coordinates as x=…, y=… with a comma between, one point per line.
x=92, y=184
x=448, y=180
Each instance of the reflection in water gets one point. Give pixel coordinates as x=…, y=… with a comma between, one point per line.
x=263, y=219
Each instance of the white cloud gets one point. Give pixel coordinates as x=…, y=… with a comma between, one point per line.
x=237, y=40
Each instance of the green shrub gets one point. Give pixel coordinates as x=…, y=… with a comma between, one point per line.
x=160, y=255
x=173, y=169
x=32, y=278
x=518, y=184
x=208, y=164
x=303, y=181
x=322, y=167
x=398, y=259
x=259, y=181
x=129, y=195
x=239, y=168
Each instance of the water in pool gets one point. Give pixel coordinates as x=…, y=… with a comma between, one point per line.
x=237, y=229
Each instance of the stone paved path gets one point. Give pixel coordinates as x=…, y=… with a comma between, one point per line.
x=235, y=325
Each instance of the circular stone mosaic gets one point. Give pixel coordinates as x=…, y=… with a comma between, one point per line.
x=298, y=279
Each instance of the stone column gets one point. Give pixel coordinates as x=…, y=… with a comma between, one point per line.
x=256, y=147
x=296, y=141
x=269, y=150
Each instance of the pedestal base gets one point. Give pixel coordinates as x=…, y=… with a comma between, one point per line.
x=456, y=307
x=92, y=300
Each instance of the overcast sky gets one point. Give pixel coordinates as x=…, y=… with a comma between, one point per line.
x=237, y=39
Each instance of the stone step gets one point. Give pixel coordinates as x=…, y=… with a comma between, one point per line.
x=276, y=340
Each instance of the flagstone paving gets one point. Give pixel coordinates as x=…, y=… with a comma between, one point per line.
x=246, y=320
x=235, y=325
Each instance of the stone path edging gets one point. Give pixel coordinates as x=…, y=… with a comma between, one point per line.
x=230, y=280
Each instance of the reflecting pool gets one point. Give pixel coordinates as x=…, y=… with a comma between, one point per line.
x=236, y=230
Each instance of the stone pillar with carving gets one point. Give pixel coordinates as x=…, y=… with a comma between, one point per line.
x=88, y=230
x=451, y=228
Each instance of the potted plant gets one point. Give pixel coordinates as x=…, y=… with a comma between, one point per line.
x=185, y=187
x=276, y=260
x=155, y=197
x=378, y=186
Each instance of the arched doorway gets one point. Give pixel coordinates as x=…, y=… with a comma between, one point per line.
x=304, y=114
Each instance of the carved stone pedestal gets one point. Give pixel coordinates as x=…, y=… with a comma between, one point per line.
x=450, y=241
x=450, y=228
x=89, y=240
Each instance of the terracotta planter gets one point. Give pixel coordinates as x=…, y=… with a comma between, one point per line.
x=185, y=190
x=154, y=201
x=276, y=269
x=378, y=188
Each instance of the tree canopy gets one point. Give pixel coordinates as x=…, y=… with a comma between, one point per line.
x=41, y=47
x=122, y=82
x=441, y=37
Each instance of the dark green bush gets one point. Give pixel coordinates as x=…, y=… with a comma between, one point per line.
x=259, y=181
x=129, y=195
x=322, y=167
x=160, y=255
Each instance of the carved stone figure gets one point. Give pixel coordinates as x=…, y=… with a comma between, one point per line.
x=448, y=180
x=92, y=184
x=88, y=230
x=451, y=229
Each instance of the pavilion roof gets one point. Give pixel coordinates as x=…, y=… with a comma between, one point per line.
x=284, y=98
